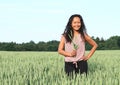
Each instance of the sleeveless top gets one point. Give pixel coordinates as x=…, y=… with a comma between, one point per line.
x=80, y=50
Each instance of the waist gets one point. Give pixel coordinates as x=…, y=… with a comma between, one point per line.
x=74, y=61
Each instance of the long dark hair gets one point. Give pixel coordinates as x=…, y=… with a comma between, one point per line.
x=68, y=30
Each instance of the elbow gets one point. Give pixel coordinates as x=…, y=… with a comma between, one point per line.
x=96, y=45
x=59, y=51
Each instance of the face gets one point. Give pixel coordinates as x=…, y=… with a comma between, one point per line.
x=76, y=24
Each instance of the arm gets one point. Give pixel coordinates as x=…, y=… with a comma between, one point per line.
x=93, y=44
x=62, y=51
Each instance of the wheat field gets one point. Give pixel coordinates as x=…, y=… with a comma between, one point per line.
x=47, y=68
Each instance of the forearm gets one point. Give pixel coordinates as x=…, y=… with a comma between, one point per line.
x=64, y=53
x=92, y=51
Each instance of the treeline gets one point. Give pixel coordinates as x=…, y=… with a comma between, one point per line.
x=113, y=43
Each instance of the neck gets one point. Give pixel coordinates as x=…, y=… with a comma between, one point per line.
x=75, y=33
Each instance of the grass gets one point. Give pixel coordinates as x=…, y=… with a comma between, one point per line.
x=47, y=68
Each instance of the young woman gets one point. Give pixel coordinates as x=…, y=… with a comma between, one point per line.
x=72, y=45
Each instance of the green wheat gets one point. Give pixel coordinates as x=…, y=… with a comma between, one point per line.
x=74, y=45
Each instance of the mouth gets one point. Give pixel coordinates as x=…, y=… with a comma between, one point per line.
x=77, y=26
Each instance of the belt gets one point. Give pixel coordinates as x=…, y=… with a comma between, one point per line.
x=75, y=64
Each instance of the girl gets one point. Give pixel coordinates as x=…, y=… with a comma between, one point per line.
x=72, y=45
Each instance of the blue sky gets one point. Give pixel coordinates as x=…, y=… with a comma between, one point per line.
x=45, y=20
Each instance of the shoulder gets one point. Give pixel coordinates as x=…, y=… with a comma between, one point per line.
x=87, y=37
x=62, y=38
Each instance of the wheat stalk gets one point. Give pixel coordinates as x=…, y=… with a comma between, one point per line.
x=74, y=45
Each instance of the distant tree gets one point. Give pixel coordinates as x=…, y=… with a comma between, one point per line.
x=112, y=43
x=102, y=40
x=118, y=41
x=41, y=46
x=10, y=46
x=30, y=46
x=97, y=40
x=52, y=45
x=101, y=44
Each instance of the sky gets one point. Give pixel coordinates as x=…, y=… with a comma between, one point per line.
x=45, y=20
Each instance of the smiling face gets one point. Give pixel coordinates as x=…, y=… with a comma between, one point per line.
x=76, y=24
